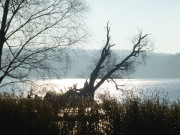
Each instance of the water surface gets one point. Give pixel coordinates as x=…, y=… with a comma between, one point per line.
x=143, y=88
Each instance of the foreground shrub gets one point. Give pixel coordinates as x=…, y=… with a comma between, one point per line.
x=57, y=116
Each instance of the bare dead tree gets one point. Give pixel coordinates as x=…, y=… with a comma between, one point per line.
x=33, y=33
x=141, y=45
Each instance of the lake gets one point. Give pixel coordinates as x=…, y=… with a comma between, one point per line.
x=143, y=88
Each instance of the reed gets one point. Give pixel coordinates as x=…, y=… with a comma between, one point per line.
x=57, y=116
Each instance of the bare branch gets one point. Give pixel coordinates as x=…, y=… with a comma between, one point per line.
x=30, y=30
x=139, y=50
x=118, y=87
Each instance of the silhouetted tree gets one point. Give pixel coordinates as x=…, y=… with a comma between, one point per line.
x=33, y=32
x=109, y=64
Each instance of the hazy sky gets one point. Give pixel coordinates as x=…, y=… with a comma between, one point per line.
x=161, y=18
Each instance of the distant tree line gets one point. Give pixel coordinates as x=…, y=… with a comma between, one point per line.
x=158, y=65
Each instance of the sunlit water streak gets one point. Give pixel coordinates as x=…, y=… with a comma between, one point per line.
x=143, y=88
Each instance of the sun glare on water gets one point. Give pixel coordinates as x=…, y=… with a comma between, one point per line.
x=127, y=88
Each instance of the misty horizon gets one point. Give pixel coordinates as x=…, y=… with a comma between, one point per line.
x=157, y=65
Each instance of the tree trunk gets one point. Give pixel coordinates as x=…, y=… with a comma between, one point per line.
x=139, y=50
x=2, y=30
x=87, y=93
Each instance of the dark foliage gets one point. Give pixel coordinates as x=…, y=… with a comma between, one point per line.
x=57, y=116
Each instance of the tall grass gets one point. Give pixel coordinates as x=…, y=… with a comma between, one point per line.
x=57, y=116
